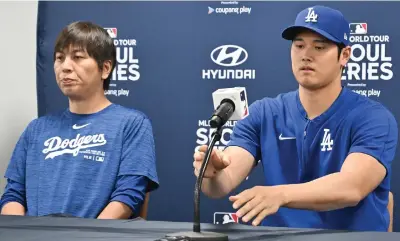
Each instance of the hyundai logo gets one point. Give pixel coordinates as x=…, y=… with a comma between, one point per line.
x=229, y=55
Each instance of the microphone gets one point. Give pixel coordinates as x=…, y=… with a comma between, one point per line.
x=222, y=114
x=229, y=104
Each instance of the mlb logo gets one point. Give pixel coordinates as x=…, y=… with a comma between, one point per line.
x=225, y=218
x=358, y=28
x=112, y=32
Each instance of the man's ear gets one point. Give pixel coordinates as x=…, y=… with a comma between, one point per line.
x=106, y=70
x=345, y=55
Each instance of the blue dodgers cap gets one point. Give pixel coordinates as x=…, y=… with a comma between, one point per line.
x=326, y=21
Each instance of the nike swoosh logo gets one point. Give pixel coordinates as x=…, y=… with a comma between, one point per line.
x=281, y=138
x=76, y=127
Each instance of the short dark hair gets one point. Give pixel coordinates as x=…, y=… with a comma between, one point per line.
x=92, y=38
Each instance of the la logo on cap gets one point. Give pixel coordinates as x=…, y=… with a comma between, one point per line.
x=311, y=16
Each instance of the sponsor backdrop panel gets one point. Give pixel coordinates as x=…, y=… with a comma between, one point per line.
x=173, y=55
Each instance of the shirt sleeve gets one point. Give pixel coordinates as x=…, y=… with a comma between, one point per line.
x=131, y=190
x=138, y=153
x=376, y=134
x=246, y=133
x=15, y=172
x=16, y=167
x=14, y=192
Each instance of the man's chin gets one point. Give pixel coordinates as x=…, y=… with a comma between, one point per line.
x=71, y=94
x=312, y=85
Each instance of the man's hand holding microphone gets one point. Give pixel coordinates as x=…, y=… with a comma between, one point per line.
x=218, y=161
x=227, y=169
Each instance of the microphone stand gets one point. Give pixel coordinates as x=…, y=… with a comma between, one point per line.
x=196, y=234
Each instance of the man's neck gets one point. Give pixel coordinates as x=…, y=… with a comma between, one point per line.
x=316, y=102
x=89, y=105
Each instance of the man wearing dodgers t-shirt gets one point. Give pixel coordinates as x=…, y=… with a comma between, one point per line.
x=94, y=160
x=326, y=151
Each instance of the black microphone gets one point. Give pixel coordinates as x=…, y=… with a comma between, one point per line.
x=223, y=113
x=196, y=234
x=229, y=104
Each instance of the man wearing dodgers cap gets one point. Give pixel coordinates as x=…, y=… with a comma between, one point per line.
x=326, y=151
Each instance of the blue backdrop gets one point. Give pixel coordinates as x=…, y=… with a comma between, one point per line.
x=165, y=70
